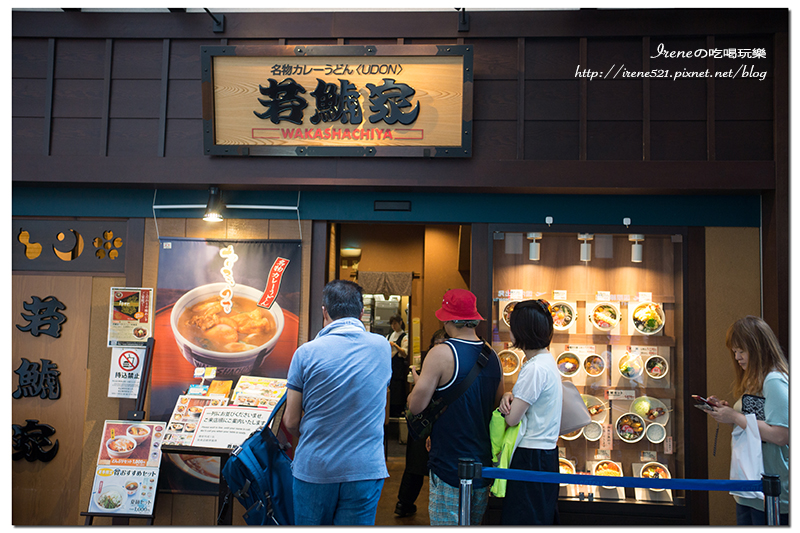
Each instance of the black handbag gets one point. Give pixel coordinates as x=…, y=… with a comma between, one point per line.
x=754, y=404
x=420, y=425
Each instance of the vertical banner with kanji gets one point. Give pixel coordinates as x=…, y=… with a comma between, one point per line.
x=233, y=305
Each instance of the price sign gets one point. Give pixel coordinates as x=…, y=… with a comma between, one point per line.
x=607, y=439
x=645, y=296
x=603, y=296
x=559, y=295
x=620, y=394
x=668, y=445
x=648, y=456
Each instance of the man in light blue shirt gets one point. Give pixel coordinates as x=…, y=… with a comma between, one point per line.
x=336, y=404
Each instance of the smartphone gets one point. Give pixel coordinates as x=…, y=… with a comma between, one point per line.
x=703, y=403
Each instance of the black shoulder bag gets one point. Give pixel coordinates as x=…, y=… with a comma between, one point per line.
x=420, y=425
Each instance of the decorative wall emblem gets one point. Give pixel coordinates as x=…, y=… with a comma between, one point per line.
x=69, y=246
x=45, y=317
x=38, y=380
x=31, y=440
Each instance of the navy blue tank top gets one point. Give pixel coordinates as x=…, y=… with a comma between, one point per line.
x=463, y=429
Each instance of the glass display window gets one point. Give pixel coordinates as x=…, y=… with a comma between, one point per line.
x=617, y=303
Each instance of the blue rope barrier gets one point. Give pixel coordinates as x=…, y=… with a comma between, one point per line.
x=608, y=481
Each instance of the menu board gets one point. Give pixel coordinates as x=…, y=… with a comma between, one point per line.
x=131, y=443
x=255, y=391
x=186, y=416
x=227, y=427
x=130, y=317
x=127, y=469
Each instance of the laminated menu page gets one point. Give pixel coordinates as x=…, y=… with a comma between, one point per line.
x=255, y=391
x=185, y=418
x=127, y=469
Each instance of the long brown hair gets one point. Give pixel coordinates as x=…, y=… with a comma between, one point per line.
x=754, y=336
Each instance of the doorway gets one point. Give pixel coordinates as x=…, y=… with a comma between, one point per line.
x=437, y=256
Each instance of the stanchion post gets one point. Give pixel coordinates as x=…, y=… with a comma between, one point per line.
x=466, y=473
x=771, y=485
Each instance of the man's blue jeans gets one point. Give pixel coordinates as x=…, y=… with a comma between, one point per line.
x=353, y=503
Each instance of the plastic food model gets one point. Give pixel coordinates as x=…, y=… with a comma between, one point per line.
x=509, y=360
x=604, y=316
x=655, y=471
x=594, y=365
x=572, y=436
x=630, y=366
x=648, y=318
x=656, y=433
x=563, y=315
x=507, y=312
x=630, y=427
x=607, y=468
x=565, y=467
x=593, y=431
x=656, y=367
x=568, y=364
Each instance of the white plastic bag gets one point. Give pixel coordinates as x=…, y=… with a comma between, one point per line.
x=747, y=461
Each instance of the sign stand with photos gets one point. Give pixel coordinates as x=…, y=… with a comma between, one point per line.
x=126, y=477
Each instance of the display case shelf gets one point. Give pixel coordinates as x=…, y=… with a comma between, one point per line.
x=608, y=277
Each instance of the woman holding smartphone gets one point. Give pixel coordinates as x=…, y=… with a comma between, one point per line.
x=762, y=373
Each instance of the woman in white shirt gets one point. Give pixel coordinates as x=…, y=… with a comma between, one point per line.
x=537, y=397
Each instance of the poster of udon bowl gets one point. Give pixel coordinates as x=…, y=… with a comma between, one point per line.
x=229, y=304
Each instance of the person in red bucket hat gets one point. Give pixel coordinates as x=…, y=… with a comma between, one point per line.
x=458, y=304
x=463, y=428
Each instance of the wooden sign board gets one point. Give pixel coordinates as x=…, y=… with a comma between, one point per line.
x=334, y=101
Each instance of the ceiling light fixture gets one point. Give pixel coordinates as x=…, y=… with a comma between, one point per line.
x=586, y=247
x=636, y=248
x=534, y=249
x=214, y=206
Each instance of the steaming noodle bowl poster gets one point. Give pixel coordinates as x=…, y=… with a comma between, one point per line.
x=207, y=314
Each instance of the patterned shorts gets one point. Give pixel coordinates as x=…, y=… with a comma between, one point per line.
x=443, y=502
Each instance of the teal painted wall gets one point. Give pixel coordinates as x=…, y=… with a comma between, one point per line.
x=643, y=210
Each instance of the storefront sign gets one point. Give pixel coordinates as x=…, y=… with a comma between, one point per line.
x=125, y=372
x=130, y=317
x=45, y=316
x=360, y=101
x=31, y=442
x=37, y=380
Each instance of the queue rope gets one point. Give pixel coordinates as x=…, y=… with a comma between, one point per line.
x=610, y=481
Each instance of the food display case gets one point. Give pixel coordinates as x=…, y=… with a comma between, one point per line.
x=618, y=336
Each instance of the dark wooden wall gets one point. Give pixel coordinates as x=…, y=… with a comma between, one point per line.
x=114, y=98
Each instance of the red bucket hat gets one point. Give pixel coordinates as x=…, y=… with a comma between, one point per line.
x=458, y=304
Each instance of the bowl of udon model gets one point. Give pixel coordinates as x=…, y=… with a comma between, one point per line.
x=216, y=325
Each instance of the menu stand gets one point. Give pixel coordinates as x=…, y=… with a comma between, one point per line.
x=90, y=516
x=224, y=511
x=136, y=415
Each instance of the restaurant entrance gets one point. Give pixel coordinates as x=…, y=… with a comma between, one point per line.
x=379, y=257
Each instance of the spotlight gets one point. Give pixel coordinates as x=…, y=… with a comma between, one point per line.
x=214, y=207
x=534, y=248
x=636, y=248
x=586, y=247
